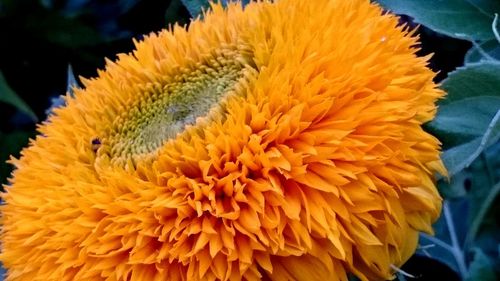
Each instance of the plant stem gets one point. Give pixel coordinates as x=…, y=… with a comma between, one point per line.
x=455, y=247
x=494, y=27
x=438, y=242
x=476, y=223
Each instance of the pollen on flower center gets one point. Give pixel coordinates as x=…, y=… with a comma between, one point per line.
x=164, y=110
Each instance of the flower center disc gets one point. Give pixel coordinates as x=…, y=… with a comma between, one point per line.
x=164, y=110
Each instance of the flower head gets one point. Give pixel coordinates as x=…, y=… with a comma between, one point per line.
x=282, y=141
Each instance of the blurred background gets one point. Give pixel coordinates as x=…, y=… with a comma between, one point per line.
x=42, y=40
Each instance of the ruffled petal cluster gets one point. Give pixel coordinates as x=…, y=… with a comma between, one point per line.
x=280, y=141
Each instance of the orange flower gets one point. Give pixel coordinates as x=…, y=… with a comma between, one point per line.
x=282, y=141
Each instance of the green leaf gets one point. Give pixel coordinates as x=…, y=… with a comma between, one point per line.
x=483, y=205
x=482, y=199
x=195, y=7
x=71, y=80
x=468, y=117
x=72, y=83
x=471, y=221
x=11, y=144
x=458, y=158
x=7, y=95
x=470, y=20
x=467, y=113
x=455, y=187
x=486, y=6
x=479, y=79
x=173, y=13
x=489, y=50
x=464, y=121
x=483, y=195
x=447, y=240
x=481, y=268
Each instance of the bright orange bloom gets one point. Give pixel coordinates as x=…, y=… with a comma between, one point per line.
x=282, y=141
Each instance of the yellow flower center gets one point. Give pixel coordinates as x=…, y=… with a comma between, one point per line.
x=165, y=109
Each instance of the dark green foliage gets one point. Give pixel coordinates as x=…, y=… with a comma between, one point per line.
x=468, y=124
x=11, y=144
x=40, y=38
x=463, y=19
x=8, y=96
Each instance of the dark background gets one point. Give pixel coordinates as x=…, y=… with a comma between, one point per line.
x=40, y=39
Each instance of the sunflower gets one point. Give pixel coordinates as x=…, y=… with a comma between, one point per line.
x=280, y=141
